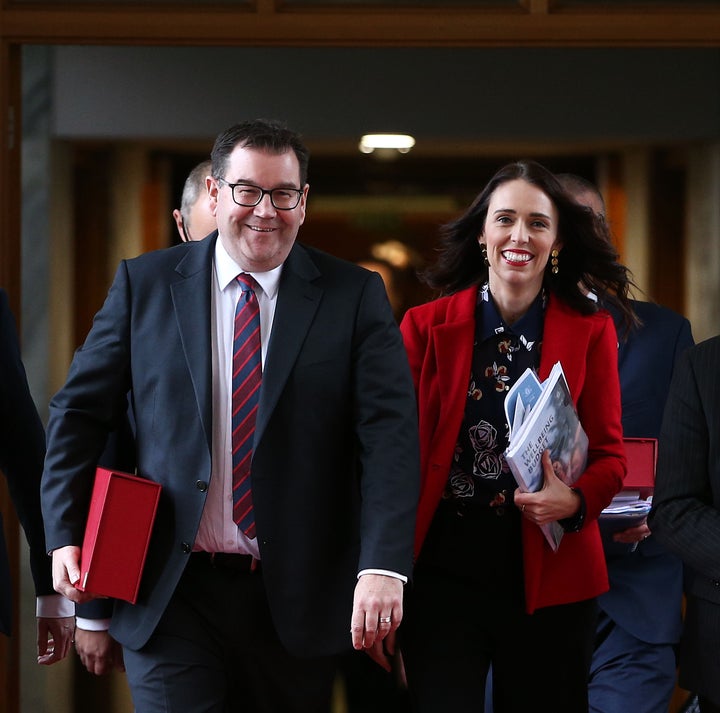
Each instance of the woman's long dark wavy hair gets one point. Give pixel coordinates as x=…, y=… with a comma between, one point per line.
x=588, y=260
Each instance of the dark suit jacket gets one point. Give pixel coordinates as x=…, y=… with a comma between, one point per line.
x=22, y=449
x=439, y=340
x=335, y=468
x=686, y=506
x=646, y=585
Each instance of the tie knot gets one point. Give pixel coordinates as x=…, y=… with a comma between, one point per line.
x=246, y=282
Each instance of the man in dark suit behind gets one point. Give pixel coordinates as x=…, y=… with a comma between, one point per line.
x=640, y=619
x=639, y=622
x=334, y=466
x=686, y=511
x=22, y=448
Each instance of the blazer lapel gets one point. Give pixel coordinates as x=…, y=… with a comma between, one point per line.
x=191, y=301
x=453, y=353
x=453, y=342
x=566, y=337
x=297, y=303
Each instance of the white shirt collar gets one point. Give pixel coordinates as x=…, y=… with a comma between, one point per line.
x=227, y=270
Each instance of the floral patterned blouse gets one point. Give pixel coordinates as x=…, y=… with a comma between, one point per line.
x=479, y=474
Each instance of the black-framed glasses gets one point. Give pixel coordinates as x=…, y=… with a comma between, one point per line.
x=248, y=196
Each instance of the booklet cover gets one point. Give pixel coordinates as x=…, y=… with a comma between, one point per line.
x=119, y=525
x=550, y=423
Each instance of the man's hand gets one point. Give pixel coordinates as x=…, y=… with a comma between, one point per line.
x=66, y=574
x=377, y=613
x=633, y=535
x=54, y=637
x=99, y=652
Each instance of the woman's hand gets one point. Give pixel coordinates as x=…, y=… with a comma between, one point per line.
x=554, y=501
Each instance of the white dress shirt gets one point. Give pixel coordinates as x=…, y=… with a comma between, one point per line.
x=218, y=531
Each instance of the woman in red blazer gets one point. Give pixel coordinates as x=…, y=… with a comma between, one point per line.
x=514, y=272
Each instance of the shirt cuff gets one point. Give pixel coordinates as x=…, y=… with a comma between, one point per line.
x=386, y=572
x=575, y=523
x=54, y=606
x=92, y=624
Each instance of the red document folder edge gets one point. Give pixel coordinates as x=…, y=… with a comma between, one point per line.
x=117, y=534
x=641, y=454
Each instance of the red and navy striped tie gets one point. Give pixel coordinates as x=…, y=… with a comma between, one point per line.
x=246, y=379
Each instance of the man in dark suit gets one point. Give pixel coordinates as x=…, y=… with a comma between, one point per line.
x=686, y=511
x=640, y=620
x=639, y=623
x=224, y=620
x=22, y=449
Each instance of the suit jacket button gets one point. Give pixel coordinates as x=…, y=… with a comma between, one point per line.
x=201, y=485
x=186, y=548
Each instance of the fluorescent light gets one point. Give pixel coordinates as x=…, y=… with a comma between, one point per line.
x=401, y=143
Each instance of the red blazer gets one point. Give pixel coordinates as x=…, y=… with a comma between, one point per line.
x=439, y=341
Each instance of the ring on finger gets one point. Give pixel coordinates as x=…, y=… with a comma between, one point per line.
x=385, y=619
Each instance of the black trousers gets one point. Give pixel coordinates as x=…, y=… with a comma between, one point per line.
x=215, y=650
x=465, y=610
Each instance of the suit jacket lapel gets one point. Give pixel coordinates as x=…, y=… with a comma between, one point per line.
x=191, y=300
x=297, y=302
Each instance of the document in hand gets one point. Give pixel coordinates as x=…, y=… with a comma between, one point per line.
x=544, y=420
x=629, y=508
x=117, y=534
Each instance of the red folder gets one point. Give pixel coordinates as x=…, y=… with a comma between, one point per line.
x=117, y=534
x=641, y=454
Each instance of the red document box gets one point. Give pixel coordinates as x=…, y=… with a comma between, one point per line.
x=641, y=454
x=119, y=525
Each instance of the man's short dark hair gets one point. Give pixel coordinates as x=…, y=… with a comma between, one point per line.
x=264, y=134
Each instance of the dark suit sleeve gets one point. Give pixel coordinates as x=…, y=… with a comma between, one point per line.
x=90, y=406
x=388, y=435
x=22, y=447
x=686, y=515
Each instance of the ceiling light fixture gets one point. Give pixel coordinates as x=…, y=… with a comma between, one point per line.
x=402, y=143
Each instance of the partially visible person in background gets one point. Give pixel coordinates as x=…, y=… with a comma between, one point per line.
x=685, y=516
x=640, y=619
x=487, y=588
x=195, y=219
x=22, y=450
